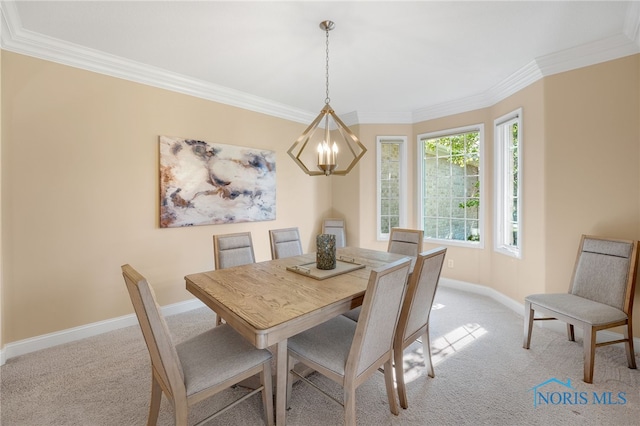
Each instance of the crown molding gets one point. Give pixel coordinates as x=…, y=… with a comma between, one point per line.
x=456, y=106
x=363, y=117
x=16, y=39
x=607, y=49
x=517, y=81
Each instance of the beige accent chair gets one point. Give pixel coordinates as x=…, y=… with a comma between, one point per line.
x=335, y=227
x=231, y=250
x=198, y=368
x=285, y=243
x=405, y=241
x=414, y=316
x=349, y=352
x=600, y=297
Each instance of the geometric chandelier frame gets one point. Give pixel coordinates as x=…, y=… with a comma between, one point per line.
x=344, y=141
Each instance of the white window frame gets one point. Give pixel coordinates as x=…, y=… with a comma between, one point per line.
x=481, y=177
x=503, y=178
x=401, y=141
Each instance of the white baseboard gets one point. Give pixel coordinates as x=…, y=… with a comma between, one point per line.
x=44, y=341
x=518, y=308
x=484, y=291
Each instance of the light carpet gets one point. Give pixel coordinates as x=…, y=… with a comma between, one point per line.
x=483, y=377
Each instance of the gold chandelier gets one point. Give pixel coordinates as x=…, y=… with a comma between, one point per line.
x=344, y=142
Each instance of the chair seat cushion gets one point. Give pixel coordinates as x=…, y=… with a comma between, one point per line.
x=327, y=344
x=217, y=355
x=584, y=310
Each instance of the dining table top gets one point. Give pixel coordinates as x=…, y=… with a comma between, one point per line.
x=266, y=302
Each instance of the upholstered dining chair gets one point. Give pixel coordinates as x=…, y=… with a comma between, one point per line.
x=348, y=352
x=231, y=250
x=335, y=227
x=405, y=241
x=600, y=297
x=199, y=367
x=415, y=312
x=285, y=243
x=401, y=241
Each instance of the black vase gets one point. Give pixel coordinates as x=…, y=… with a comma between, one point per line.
x=326, y=251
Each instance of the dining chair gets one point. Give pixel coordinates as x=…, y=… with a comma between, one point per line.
x=285, y=243
x=600, y=297
x=405, y=241
x=199, y=367
x=231, y=250
x=349, y=352
x=337, y=228
x=401, y=241
x=415, y=312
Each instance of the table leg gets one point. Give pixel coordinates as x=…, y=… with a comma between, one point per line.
x=281, y=383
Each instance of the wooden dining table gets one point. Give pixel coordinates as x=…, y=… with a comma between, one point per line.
x=267, y=303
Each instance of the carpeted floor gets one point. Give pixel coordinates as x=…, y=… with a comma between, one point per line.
x=483, y=377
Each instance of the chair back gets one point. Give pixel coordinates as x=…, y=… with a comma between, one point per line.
x=335, y=227
x=231, y=250
x=421, y=290
x=285, y=243
x=605, y=271
x=405, y=241
x=378, y=317
x=164, y=357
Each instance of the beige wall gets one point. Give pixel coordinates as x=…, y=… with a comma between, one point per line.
x=591, y=162
x=80, y=166
x=80, y=186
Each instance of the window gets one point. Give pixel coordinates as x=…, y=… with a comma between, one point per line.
x=392, y=199
x=450, y=183
x=508, y=164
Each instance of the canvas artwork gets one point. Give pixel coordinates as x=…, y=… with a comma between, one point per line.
x=203, y=183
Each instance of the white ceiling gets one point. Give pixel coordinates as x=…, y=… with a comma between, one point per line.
x=389, y=61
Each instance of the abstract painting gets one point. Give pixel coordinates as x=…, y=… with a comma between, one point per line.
x=203, y=183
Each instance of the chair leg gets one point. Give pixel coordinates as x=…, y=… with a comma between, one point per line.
x=156, y=399
x=290, y=365
x=426, y=349
x=349, y=405
x=631, y=355
x=399, y=369
x=182, y=412
x=388, y=380
x=589, y=349
x=570, y=333
x=267, y=393
x=528, y=324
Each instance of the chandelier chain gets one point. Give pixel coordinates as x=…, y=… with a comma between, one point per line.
x=327, y=99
